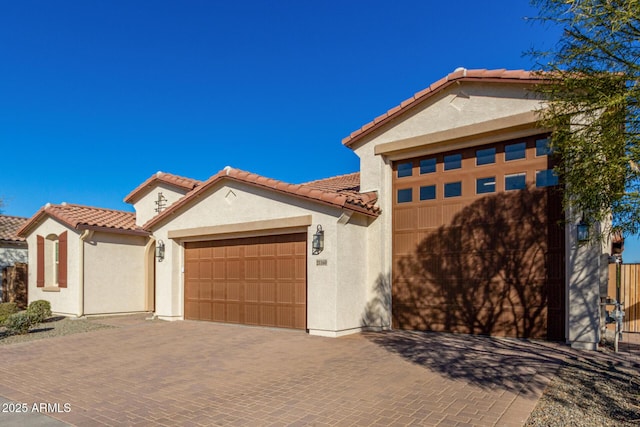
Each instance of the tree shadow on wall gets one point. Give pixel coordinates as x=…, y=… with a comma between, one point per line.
x=495, y=269
x=377, y=312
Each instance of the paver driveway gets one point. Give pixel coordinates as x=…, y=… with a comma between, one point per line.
x=197, y=373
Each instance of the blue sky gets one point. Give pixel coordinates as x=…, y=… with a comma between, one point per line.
x=95, y=96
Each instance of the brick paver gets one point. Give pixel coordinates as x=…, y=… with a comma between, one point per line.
x=198, y=374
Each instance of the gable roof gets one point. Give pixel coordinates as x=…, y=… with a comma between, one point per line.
x=459, y=75
x=181, y=182
x=81, y=217
x=340, y=191
x=9, y=226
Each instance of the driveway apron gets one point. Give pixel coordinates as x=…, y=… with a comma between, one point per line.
x=200, y=373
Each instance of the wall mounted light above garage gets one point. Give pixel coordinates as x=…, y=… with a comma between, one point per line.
x=583, y=231
x=160, y=250
x=317, y=244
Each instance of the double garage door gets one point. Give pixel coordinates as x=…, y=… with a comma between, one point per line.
x=254, y=281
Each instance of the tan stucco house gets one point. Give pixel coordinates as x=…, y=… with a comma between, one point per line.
x=453, y=223
x=87, y=260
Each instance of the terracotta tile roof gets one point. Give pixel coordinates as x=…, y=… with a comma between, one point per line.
x=348, y=182
x=338, y=191
x=459, y=75
x=182, y=182
x=82, y=217
x=9, y=226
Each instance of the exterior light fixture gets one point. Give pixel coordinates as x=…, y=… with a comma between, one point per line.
x=160, y=250
x=317, y=244
x=583, y=231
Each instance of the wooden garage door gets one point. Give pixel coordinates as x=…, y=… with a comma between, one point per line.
x=253, y=281
x=478, y=242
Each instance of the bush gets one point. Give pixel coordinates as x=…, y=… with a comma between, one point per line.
x=19, y=323
x=39, y=311
x=6, y=310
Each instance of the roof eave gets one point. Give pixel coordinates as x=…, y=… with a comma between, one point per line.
x=114, y=230
x=221, y=176
x=424, y=95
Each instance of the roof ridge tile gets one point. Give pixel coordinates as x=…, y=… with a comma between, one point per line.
x=459, y=74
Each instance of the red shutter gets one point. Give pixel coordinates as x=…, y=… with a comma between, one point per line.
x=62, y=260
x=40, y=261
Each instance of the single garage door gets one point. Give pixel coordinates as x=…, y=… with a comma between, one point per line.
x=478, y=241
x=254, y=281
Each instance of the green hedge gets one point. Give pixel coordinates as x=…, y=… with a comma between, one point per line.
x=19, y=323
x=39, y=311
x=6, y=310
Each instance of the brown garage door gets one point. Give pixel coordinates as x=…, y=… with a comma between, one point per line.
x=478, y=245
x=253, y=281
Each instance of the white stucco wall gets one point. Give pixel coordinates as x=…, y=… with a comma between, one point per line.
x=114, y=273
x=235, y=203
x=63, y=300
x=146, y=206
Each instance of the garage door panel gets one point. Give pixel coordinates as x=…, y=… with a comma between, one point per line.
x=301, y=269
x=218, y=252
x=286, y=292
x=300, y=248
x=233, y=270
x=218, y=269
x=252, y=251
x=268, y=316
x=204, y=270
x=257, y=281
x=268, y=269
x=204, y=310
x=301, y=293
x=268, y=292
x=205, y=292
x=285, y=249
x=267, y=250
x=251, y=292
x=192, y=269
x=219, y=311
x=234, y=290
x=252, y=314
x=233, y=313
x=286, y=269
x=252, y=269
x=191, y=309
x=300, y=317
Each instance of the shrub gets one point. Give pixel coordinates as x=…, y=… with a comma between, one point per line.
x=39, y=311
x=19, y=323
x=6, y=310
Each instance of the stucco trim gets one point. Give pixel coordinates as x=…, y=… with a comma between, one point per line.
x=510, y=127
x=273, y=226
x=113, y=230
x=50, y=289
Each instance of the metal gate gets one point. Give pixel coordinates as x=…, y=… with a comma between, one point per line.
x=629, y=293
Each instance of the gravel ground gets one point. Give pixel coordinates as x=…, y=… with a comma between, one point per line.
x=590, y=390
x=53, y=327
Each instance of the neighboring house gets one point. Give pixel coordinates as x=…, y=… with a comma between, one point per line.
x=454, y=223
x=13, y=248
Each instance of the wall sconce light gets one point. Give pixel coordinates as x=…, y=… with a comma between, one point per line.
x=317, y=243
x=160, y=250
x=583, y=231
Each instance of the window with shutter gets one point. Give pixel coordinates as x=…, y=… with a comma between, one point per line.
x=62, y=260
x=40, y=261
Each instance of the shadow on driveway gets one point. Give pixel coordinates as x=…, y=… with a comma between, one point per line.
x=486, y=362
